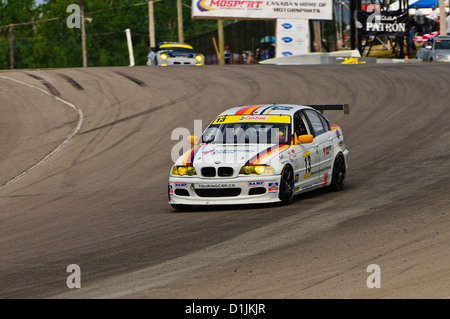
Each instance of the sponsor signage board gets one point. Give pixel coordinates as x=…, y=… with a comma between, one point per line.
x=263, y=9
x=292, y=37
x=390, y=23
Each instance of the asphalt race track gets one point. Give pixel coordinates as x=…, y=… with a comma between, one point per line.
x=86, y=153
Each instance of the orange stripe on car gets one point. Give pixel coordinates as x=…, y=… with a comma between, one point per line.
x=333, y=127
x=248, y=109
x=259, y=157
x=189, y=158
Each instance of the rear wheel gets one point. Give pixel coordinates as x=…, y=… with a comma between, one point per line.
x=339, y=173
x=286, y=194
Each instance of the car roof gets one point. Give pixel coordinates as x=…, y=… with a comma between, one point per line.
x=442, y=37
x=174, y=43
x=272, y=109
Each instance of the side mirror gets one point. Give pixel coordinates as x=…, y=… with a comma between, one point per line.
x=193, y=139
x=305, y=139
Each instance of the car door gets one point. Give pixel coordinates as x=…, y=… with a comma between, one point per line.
x=323, y=145
x=326, y=165
x=306, y=159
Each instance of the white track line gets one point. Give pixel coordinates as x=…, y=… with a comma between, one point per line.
x=60, y=146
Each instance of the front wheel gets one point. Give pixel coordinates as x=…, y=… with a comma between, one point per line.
x=286, y=194
x=339, y=173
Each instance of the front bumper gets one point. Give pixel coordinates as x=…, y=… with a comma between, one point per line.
x=179, y=61
x=250, y=189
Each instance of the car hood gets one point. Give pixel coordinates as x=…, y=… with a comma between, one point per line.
x=232, y=155
x=441, y=52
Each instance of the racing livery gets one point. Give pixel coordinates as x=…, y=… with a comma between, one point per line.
x=260, y=154
x=174, y=53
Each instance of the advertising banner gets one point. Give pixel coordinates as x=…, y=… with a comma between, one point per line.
x=292, y=37
x=263, y=9
x=383, y=23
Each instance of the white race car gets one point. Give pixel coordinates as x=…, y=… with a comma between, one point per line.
x=174, y=53
x=260, y=154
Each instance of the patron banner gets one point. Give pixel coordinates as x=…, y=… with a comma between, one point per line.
x=263, y=9
x=383, y=23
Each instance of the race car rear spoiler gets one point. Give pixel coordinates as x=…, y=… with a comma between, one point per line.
x=329, y=107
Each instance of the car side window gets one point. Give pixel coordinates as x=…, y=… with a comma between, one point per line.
x=299, y=125
x=316, y=122
x=326, y=124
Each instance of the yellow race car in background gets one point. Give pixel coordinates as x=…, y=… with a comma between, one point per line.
x=174, y=53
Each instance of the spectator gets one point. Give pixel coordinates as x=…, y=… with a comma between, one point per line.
x=250, y=57
x=244, y=57
x=420, y=20
x=447, y=22
x=412, y=33
x=227, y=55
x=258, y=55
x=434, y=17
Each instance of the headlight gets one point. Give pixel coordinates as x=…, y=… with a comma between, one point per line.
x=198, y=58
x=163, y=56
x=183, y=170
x=257, y=169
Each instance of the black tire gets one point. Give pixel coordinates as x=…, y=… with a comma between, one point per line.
x=286, y=193
x=339, y=173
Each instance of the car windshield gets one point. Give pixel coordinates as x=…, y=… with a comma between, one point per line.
x=254, y=133
x=442, y=45
x=176, y=48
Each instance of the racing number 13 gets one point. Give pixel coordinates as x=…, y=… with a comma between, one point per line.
x=221, y=119
x=307, y=156
x=308, y=164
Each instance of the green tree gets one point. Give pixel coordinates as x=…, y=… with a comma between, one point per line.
x=43, y=39
x=12, y=16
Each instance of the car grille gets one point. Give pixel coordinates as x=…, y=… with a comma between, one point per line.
x=181, y=192
x=221, y=172
x=257, y=191
x=209, y=171
x=218, y=192
x=225, y=171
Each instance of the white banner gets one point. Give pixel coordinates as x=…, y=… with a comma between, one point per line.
x=263, y=9
x=292, y=37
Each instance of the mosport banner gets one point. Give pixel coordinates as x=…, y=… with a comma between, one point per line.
x=383, y=23
x=263, y=9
